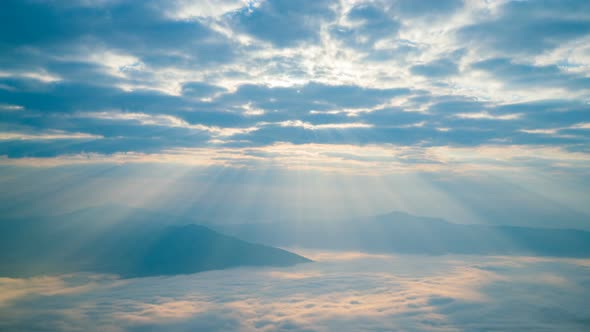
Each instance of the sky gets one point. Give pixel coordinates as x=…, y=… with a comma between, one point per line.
x=324, y=108
x=300, y=112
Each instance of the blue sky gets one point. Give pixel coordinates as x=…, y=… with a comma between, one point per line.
x=444, y=88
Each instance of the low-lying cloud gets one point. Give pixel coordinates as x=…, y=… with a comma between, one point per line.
x=345, y=291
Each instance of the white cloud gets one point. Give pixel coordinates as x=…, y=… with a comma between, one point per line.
x=540, y=131
x=555, y=131
x=42, y=75
x=10, y=107
x=187, y=9
x=487, y=116
x=582, y=125
x=48, y=135
x=400, y=292
x=373, y=160
x=310, y=126
x=164, y=120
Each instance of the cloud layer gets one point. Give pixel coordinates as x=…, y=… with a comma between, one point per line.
x=343, y=291
x=150, y=77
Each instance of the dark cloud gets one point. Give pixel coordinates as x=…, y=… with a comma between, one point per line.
x=69, y=97
x=437, y=68
x=411, y=8
x=370, y=24
x=134, y=27
x=529, y=27
x=395, y=117
x=200, y=89
x=311, y=96
x=450, y=104
x=149, y=121
x=282, y=22
x=525, y=75
x=98, y=72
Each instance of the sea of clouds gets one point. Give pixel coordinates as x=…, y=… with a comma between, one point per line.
x=340, y=291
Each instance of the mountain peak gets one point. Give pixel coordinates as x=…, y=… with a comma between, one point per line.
x=129, y=249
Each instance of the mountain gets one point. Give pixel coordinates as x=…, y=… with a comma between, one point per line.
x=135, y=242
x=399, y=232
x=127, y=247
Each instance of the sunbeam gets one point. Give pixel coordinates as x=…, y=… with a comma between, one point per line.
x=281, y=165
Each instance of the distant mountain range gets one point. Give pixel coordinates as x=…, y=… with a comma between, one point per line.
x=398, y=232
x=130, y=247
x=135, y=243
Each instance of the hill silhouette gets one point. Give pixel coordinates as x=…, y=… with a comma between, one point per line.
x=130, y=247
x=404, y=233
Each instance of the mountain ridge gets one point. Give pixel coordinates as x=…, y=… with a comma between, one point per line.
x=129, y=249
x=400, y=232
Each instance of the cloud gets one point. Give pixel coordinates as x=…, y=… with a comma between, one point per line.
x=137, y=27
x=438, y=68
x=200, y=89
x=9, y=107
x=56, y=135
x=411, y=8
x=162, y=120
x=163, y=310
x=486, y=115
x=257, y=115
x=390, y=292
x=366, y=25
x=529, y=76
x=312, y=96
x=133, y=80
x=266, y=98
x=529, y=27
x=344, y=159
x=305, y=125
x=14, y=289
x=283, y=23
